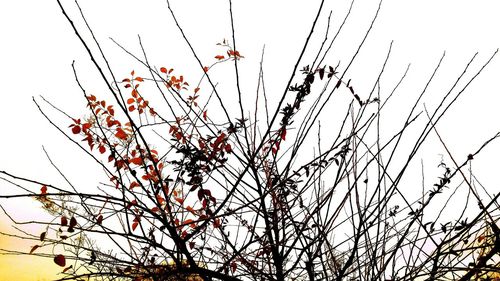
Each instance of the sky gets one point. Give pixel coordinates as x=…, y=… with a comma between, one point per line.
x=38, y=47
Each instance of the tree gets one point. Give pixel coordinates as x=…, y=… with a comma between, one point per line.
x=195, y=195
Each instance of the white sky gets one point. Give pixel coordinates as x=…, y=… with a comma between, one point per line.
x=38, y=47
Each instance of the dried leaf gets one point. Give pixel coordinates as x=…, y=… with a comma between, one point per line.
x=76, y=129
x=34, y=248
x=72, y=222
x=67, y=268
x=99, y=220
x=60, y=260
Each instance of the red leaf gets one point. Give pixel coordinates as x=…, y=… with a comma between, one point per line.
x=43, y=190
x=76, y=130
x=219, y=57
x=121, y=134
x=217, y=223
x=180, y=200
x=233, y=267
x=99, y=219
x=34, y=248
x=60, y=260
x=131, y=203
x=191, y=245
x=205, y=69
x=133, y=184
x=163, y=69
x=72, y=222
x=126, y=80
x=155, y=209
x=131, y=108
x=136, y=161
x=64, y=221
x=134, y=225
x=132, y=73
x=205, y=115
x=283, y=133
x=228, y=148
x=196, y=90
x=102, y=149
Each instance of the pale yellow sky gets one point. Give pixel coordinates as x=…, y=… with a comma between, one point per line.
x=24, y=267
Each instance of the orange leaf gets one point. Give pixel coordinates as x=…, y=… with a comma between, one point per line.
x=132, y=73
x=130, y=100
x=163, y=69
x=136, y=161
x=121, y=134
x=133, y=184
x=134, y=93
x=60, y=260
x=190, y=222
x=139, y=79
x=480, y=238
